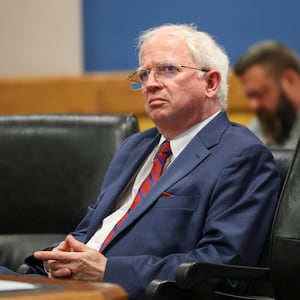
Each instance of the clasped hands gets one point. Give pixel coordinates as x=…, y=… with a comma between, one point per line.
x=73, y=259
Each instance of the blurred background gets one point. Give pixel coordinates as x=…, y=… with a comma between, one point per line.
x=79, y=37
x=72, y=36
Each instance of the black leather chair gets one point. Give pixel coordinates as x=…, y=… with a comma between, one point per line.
x=277, y=275
x=51, y=169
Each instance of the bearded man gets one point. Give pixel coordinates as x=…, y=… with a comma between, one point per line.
x=269, y=72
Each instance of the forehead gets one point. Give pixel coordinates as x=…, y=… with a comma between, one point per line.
x=256, y=75
x=165, y=47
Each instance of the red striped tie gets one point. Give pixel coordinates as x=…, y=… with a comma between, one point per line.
x=157, y=169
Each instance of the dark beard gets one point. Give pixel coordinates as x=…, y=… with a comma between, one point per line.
x=276, y=126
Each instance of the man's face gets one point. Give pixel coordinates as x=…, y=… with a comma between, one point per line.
x=261, y=89
x=175, y=101
x=272, y=106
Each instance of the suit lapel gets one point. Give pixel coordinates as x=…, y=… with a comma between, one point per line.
x=110, y=197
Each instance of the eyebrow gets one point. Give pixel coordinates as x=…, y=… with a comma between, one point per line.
x=162, y=62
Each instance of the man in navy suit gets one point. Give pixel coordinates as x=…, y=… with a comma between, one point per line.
x=216, y=197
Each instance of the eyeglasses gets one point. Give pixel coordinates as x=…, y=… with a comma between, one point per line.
x=162, y=70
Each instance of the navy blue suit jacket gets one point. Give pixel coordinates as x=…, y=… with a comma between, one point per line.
x=225, y=187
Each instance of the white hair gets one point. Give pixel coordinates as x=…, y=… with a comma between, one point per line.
x=204, y=50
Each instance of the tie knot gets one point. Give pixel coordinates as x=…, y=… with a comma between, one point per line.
x=165, y=149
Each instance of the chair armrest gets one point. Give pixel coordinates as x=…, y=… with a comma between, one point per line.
x=162, y=290
x=190, y=274
x=24, y=269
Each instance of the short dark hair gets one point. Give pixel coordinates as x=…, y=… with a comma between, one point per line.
x=274, y=56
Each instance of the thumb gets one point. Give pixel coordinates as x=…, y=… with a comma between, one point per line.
x=63, y=246
x=75, y=245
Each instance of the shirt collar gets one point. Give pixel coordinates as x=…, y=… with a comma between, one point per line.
x=181, y=141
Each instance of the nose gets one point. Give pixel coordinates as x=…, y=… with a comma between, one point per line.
x=151, y=76
x=255, y=104
x=152, y=81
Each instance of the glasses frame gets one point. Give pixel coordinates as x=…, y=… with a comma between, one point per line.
x=140, y=83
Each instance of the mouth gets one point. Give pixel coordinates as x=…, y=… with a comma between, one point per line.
x=156, y=101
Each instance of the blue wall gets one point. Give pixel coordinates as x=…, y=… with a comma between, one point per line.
x=111, y=27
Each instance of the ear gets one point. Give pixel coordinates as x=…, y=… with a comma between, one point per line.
x=213, y=79
x=290, y=81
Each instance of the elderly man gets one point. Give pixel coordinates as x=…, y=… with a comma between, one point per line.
x=196, y=187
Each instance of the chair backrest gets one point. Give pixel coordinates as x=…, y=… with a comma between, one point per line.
x=283, y=159
x=51, y=169
x=285, y=264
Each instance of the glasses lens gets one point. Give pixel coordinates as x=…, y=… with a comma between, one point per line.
x=137, y=78
x=143, y=75
x=135, y=85
x=167, y=69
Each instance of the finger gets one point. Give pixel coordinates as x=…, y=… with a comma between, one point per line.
x=53, y=255
x=63, y=246
x=57, y=264
x=76, y=245
x=60, y=273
